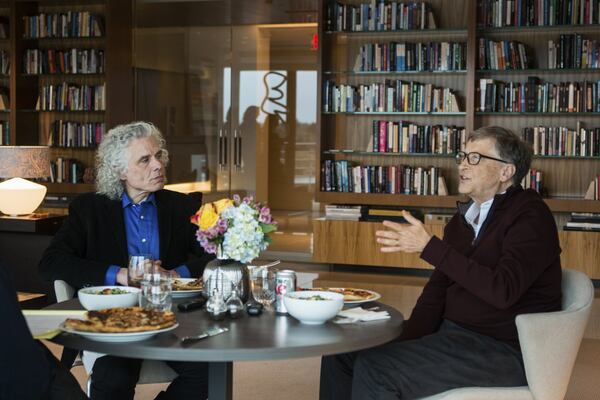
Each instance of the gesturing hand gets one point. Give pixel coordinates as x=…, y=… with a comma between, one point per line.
x=410, y=238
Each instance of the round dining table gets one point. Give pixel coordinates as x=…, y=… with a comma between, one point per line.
x=268, y=336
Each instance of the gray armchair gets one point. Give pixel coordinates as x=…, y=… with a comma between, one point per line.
x=549, y=342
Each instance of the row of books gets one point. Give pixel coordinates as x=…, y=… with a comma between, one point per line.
x=3, y=28
x=427, y=56
x=4, y=133
x=389, y=96
x=563, y=141
x=71, y=61
x=63, y=25
x=66, y=170
x=407, y=137
x=533, y=180
x=75, y=134
x=573, y=51
x=501, y=55
x=584, y=221
x=70, y=97
x=345, y=176
x=4, y=63
x=498, y=13
x=378, y=15
x=536, y=96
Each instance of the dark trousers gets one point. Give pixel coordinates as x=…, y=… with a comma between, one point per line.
x=451, y=358
x=115, y=378
x=63, y=385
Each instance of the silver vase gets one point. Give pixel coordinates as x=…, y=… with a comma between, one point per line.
x=223, y=275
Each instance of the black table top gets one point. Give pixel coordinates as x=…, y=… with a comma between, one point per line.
x=266, y=337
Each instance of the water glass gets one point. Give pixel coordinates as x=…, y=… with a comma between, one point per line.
x=262, y=281
x=138, y=266
x=156, y=292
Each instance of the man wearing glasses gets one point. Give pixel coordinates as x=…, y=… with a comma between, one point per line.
x=499, y=257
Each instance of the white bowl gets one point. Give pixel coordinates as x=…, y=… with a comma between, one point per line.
x=313, y=312
x=91, y=300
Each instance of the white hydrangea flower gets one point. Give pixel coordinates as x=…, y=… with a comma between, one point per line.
x=244, y=238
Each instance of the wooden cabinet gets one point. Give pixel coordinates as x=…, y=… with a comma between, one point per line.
x=353, y=242
x=70, y=67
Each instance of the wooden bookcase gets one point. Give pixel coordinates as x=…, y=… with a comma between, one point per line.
x=566, y=179
x=29, y=122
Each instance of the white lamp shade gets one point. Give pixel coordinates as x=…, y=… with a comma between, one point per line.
x=19, y=196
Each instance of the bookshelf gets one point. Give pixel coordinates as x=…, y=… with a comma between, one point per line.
x=67, y=86
x=347, y=134
x=352, y=58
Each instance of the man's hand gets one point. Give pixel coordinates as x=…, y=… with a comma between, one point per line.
x=122, y=277
x=168, y=272
x=411, y=238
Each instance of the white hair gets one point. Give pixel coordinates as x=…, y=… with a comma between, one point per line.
x=112, y=156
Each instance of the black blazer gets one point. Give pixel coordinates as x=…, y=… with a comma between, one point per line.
x=93, y=237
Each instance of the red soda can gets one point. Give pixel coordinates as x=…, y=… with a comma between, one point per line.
x=285, y=281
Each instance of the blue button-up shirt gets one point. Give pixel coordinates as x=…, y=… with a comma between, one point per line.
x=141, y=229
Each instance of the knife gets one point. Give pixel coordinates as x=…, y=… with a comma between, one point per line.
x=205, y=334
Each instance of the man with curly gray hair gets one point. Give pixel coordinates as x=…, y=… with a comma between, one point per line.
x=129, y=214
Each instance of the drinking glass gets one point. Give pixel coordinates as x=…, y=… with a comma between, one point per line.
x=156, y=292
x=138, y=266
x=262, y=281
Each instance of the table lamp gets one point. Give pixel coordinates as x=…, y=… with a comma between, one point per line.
x=19, y=196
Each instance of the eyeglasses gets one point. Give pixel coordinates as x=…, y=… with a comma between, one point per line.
x=473, y=158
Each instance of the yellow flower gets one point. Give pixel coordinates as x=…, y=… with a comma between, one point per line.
x=208, y=216
x=222, y=204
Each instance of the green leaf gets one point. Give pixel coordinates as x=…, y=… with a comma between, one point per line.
x=267, y=228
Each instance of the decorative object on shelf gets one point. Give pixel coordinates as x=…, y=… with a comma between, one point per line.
x=19, y=196
x=593, y=191
x=236, y=231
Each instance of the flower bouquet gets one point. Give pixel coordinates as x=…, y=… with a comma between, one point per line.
x=235, y=229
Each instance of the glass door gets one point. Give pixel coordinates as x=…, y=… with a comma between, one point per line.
x=234, y=92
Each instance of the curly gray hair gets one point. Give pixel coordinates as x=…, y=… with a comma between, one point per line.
x=112, y=156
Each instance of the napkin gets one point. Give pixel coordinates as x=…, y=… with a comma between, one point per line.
x=43, y=324
x=360, y=314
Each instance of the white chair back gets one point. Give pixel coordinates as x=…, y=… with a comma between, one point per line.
x=550, y=341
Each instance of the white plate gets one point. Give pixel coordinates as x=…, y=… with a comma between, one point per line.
x=376, y=297
x=181, y=294
x=118, y=337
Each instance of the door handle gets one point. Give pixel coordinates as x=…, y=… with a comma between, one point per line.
x=237, y=148
x=220, y=148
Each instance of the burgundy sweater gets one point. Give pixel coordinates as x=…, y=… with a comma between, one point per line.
x=512, y=268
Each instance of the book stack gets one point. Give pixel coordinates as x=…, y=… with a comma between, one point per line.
x=343, y=212
x=583, y=222
x=390, y=213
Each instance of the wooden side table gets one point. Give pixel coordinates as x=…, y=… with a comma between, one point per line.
x=22, y=243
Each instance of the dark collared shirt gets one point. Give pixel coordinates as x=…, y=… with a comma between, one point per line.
x=141, y=229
